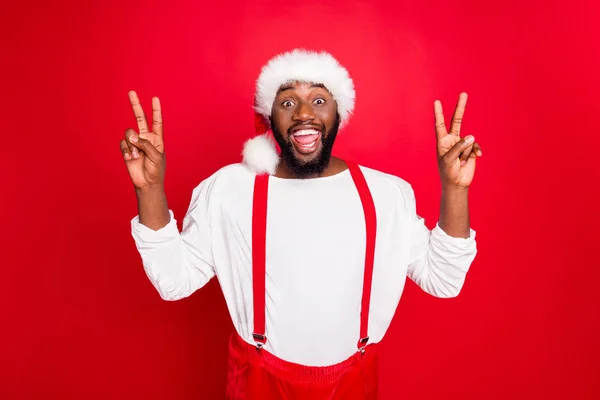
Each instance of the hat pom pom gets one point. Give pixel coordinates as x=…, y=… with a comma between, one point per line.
x=261, y=155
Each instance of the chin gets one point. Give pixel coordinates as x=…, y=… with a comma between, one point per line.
x=307, y=158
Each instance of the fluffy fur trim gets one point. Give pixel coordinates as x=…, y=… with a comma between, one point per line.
x=305, y=66
x=261, y=155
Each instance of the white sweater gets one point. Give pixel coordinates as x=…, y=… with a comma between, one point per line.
x=315, y=257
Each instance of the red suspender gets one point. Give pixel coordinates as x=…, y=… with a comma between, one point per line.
x=259, y=228
x=259, y=256
x=371, y=227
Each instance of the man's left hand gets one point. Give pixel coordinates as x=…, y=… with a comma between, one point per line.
x=456, y=155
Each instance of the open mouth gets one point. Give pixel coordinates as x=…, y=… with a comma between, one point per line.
x=306, y=140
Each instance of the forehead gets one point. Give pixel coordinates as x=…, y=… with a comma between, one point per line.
x=300, y=85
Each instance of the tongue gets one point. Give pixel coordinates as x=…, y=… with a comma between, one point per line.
x=306, y=139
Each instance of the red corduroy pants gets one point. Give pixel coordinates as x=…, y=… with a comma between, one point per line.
x=257, y=374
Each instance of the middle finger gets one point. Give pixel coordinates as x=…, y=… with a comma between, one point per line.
x=459, y=112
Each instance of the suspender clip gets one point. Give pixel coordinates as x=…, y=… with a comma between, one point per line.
x=362, y=343
x=260, y=340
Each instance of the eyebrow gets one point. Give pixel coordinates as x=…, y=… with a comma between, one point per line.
x=283, y=88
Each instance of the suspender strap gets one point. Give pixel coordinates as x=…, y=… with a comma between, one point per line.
x=259, y=241
x=371, y=228
x=259, y=229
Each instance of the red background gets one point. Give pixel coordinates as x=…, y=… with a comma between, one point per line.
x=79, y=318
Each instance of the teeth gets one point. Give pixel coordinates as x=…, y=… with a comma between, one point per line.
x=304, y=132
x=309, y=145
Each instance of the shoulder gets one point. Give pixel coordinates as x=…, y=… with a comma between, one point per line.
x=386, y=182
x=233, y=173
x=390, y=192
x=229, y=179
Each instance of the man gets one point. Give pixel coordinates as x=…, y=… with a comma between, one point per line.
x=311, y=251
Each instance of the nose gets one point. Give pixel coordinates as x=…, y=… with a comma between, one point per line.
x=304, y=112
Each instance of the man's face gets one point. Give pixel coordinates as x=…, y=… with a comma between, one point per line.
x=304, y=120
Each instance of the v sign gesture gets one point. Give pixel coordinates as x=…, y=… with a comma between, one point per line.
x=456, y=156
x=144, y=154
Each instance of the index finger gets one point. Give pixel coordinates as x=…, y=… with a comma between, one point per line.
x=138, y=112
x=440, y=125
x=157, y=126
x=459, y=112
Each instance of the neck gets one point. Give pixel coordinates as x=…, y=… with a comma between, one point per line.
x=335, y=166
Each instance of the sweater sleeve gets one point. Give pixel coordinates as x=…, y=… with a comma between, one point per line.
x=177, y=263
x=438, y=263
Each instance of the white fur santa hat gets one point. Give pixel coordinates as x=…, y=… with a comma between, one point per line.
x=298, y=65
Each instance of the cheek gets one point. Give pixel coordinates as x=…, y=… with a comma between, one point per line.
x=280, y=120
x=327, y=116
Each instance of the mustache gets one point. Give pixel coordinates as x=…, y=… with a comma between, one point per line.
x=300, y=125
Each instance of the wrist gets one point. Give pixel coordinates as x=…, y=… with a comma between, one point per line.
x=455, y=189
x=150, y=190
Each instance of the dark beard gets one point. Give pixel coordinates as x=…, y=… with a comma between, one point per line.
x=315, y=166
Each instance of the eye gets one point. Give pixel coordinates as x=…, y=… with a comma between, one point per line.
x=320, y=101
x=287, y=103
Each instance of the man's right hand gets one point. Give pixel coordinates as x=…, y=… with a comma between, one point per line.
x=144, y=154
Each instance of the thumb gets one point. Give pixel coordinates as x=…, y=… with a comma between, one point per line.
x=147, y=147
x=459, y=147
